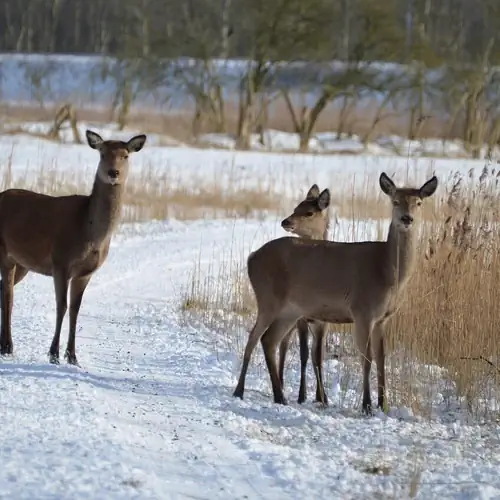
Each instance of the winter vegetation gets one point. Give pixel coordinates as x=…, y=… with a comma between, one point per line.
x=359, y=69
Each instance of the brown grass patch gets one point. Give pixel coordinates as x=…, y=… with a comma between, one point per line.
x=178, y=123
x=450, y=318
x=156, y=195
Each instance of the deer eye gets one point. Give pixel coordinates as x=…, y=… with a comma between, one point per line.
x=395, y=203
x=309, y=214
x=419, y=202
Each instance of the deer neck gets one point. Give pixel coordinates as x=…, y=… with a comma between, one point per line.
x=324, y=236
x=104, y=210
x=400, y=255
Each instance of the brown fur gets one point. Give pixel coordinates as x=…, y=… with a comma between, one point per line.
x=335, y=282
x=309, y=219
x=66, y=237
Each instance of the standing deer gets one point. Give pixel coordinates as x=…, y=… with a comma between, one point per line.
x=310, y=219
x=66, y=237
x=358, y=283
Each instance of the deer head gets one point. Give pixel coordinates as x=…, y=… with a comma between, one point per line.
x=113, y=165
x=310, y=217
x=406, y=202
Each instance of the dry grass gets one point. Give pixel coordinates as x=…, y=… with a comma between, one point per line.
x=159, y=193
x=178, y=123
x=443, y=348
x=450, y=317
x=368, y=202
x=155, y=194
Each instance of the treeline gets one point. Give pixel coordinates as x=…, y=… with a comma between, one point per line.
x=449, y=52
x=431, y=31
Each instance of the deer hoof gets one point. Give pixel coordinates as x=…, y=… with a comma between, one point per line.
x=71, y=359
x=6, y=349
x=281, y=400
x=367, y=410
x=238, y=394
x=54, y=359
x=322, y=400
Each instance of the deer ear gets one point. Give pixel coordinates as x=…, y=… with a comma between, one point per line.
x=324, y=199
x=136, y=143
x=386, y=184
x=429, y=187
x=313, y=192
x=95, y=140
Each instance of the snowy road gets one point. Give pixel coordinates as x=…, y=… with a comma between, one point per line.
x=150, y=413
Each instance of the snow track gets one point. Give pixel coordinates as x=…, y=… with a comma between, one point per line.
x=150, y=414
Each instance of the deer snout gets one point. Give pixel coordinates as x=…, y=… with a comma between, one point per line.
x=287, y=224
x=113, y=173
x=407, y=219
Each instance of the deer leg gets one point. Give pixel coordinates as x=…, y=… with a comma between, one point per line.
x=363, y=333
x=61, y=289
x=19, y=274
x=77, y=289
x=263, y=321
x=8, y=274
x=379, y=352
x=303, y=330
x=279, y=328
x=283, y=349
x=318, y=360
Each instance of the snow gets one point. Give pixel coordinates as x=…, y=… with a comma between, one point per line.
x=150, y=413
x=27, y=157
x=107, y=131
x=330, y=142
x=273, y=141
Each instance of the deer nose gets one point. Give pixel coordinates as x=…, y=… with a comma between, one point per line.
x=407, y=219
x=113, y=173
x=285, y=223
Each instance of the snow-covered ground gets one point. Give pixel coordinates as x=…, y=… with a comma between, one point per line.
x=26, y=155
x=330, y=142
x=150, y=413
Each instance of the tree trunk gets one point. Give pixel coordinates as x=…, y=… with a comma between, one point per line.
x=304, y=141
x=344, y=114
x=126, y=102
x=246, y=104
x=310, y=118
x=226, y=29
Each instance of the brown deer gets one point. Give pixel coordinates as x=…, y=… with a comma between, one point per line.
x=335, y=282
x=66, y=237
x=310, y=219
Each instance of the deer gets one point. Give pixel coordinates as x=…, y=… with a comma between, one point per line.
x=357, y=283
x=309, y=219
x=65, y=237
